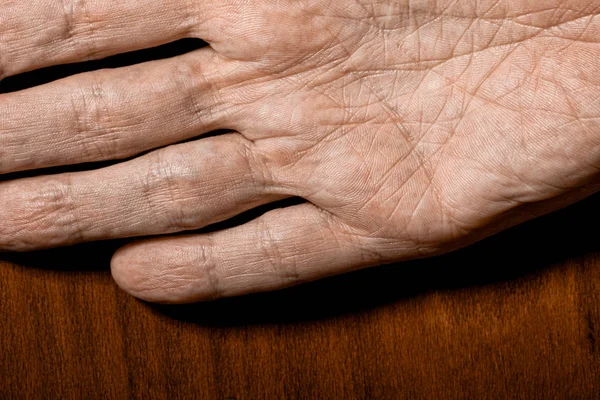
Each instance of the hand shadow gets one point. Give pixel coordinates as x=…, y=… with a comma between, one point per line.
x=521, y=251
x=518, y=252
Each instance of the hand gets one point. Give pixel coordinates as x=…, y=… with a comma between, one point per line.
x=411, y=129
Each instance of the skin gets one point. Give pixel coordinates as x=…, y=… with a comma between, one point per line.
x=411, y=128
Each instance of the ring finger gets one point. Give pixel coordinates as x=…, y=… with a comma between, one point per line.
x=181, y=187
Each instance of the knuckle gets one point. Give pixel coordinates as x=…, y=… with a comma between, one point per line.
x=270, y=248
x=200, y=97
x=260, y=165
x=95, y=131
x=163, y=189
x=255, y=165
x=213, y=279
x=80, y=26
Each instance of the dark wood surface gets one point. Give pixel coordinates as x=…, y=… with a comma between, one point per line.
x=516, y=316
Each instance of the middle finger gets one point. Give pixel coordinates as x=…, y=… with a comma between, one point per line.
x=115, y=114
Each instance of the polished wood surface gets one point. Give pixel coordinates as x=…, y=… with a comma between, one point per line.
x=516, y=316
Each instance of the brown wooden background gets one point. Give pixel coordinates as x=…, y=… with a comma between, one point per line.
x=516, y=316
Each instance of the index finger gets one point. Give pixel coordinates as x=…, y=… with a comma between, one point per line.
x=40, y=33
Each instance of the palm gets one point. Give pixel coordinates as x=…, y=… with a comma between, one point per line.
x=424, y=124
x=411, y=130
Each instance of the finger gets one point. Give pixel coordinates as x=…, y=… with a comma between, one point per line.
x=114, y=114
x=178, y=188
x=39, y=33
x=283, y=247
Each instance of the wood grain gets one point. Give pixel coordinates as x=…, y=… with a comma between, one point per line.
x=516, y=316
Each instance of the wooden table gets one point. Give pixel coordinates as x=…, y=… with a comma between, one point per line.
x=516, y=316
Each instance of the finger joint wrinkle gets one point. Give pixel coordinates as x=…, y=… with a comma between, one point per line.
x=79, y=28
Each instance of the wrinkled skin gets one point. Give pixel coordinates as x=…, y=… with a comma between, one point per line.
x=411, y=128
